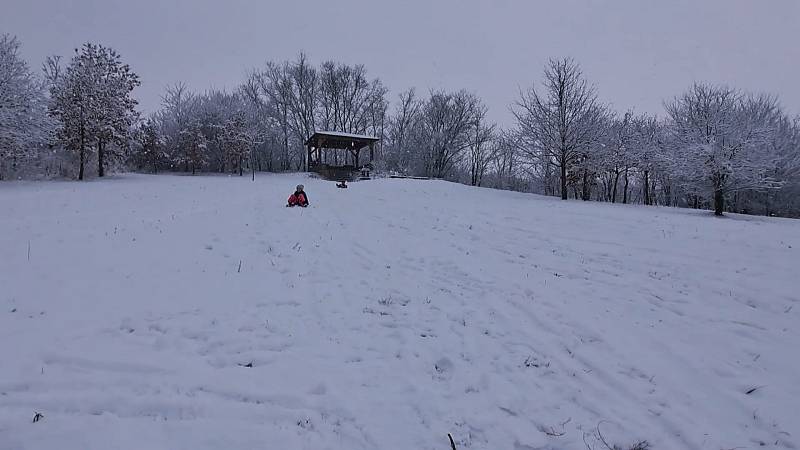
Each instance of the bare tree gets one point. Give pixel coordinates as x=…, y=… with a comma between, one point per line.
x=482, y=147
x=558, y=121
x=615, y=156
x=401, y=126
x=505, y=160
x=177, y=112
x=444, y=130
x=303, y=100
x=349, y=102
x=647, y=141
x=275, y=83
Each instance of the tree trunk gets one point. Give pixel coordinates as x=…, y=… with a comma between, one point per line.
x=83, y=153
x=625, y=189
x=719, y=202
x=668, y=195
x=586, y=191
x=563, y=180
x=646, y=187
x=614, y=189
x=100, y=158
x=83, y=158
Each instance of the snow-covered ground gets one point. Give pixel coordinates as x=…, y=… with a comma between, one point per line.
x=176, y=312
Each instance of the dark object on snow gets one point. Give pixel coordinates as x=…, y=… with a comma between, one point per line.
x=299, y=198
x=753, y=389
x=452, y=444
x=342, y=185
x=248, y=365
x=37, y=417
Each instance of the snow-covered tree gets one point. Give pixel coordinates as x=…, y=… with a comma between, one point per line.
x=721, y=138
x=194, y=145
x=786, y=144
x=177, y=112
x=482, y=147
x=616, y=158
x=117, y=108
x=596, y=162
x=93, y=103
x=444, y=130
x=24, y=123
x=151, y=151
x=237, y=142
x=647, y=141
x=400, y=154
x=559, y=120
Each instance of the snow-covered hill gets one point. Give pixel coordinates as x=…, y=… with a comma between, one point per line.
x=174, y=312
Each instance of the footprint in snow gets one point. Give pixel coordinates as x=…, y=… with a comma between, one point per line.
x=444, y=368
x=319, y=389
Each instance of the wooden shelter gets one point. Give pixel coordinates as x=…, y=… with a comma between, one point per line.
x=336, y=155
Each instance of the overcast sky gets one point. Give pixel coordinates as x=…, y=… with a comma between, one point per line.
x=637, y=52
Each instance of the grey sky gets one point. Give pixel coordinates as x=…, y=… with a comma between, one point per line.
x=637, y=52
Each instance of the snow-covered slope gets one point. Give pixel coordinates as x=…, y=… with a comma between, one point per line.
x=386, y=316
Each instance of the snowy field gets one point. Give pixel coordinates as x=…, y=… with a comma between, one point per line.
x=176, y=312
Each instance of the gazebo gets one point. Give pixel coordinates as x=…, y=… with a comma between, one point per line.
x=335, y=155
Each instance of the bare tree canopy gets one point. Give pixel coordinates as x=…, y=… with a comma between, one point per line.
x=560, y=119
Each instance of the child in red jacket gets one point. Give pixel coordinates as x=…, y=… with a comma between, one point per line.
x=299, y=198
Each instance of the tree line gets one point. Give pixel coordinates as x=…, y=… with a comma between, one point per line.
x=715, y=147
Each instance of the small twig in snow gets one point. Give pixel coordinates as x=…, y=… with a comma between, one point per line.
x=600, y=436
x=588, y=447
x=37, y=417
x=551, y=431
x=753, y=389
x=452, y=443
